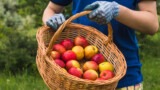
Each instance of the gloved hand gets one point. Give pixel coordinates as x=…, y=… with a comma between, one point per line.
x=103, y=11
x=55, y=21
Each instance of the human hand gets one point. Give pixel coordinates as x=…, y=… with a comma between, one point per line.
x=103, y=11
x=55, y=21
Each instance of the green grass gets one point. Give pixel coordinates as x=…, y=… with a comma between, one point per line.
x=21, y=82
x=150, y=69
x=151, y=73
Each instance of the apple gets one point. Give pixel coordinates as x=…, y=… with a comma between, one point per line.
x=99, y=79
x=90, y=74
x=80, y=41
x=106, y=74
x=79, y=51
x=76, y=72
x=69, y=55
x=60, y=62
x=72, y=63
x=60, y=48
x=98, y=58
x=90, y=65
x=90, y=51
x=55, y=54
x=67, y=43
x=105, y=66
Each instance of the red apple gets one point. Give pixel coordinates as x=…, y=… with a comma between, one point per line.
x=90, y=74
x=60, y=48
x=55, y=55
x=98, y=58
x=81, y=41
x=99, y=79
x=60, y=62
x=75, y=71
x=67, y=43
x=69, y=55
x=106, y=74
x=90, y=65
x=72, y=63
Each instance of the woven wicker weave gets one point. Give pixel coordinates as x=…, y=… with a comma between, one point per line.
x=58, y=79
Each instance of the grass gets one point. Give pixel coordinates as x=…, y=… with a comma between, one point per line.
x=150, y=69
x=151, y=73
x=21, y=82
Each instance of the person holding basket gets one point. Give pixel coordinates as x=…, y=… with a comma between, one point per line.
x=125, y=19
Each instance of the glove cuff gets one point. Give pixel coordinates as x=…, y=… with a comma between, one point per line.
x=115, y=9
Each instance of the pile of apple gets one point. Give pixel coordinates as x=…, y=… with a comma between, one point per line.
x=69, y=53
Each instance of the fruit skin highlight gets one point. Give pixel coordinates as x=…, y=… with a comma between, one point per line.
x=55, y=55
x=69, y=55
x=105, y=66
x=67, y=43
x=72, y=63
x=90, y=65
x=81, y=41
x=75, y=71
x=106, y=74
x=79, y=51
x=60, y=48
x=90, y=51
x=98, y=58
x=60, y=63
x=90, y=74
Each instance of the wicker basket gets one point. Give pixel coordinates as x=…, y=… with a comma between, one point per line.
x=55, y=77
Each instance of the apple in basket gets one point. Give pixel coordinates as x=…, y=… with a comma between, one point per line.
x=105, y=66
x=60, y=48
x=72, y=63
x=90, y=51
x=69, y=55
x=106, y=74
x=90, y=74
x=99, y=79
x=98, y=58
x=55, y=54
x=67, y=43
x=60, y=62
x=90, y=65
x=75, y=71
x=80, y=41
x=79, y=51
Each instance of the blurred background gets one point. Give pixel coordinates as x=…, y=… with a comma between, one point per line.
x=19, y=21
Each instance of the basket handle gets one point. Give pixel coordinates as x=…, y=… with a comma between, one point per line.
x=60, y=29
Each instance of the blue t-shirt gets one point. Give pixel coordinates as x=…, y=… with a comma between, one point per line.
x=123, y=36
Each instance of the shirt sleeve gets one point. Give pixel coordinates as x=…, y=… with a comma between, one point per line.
x=62, y=2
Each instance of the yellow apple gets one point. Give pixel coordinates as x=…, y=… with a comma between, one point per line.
x=79, y=51
x=90, y=51
x=105, y=66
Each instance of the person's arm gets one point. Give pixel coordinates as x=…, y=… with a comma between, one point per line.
x=145, y=20
x=50, y=10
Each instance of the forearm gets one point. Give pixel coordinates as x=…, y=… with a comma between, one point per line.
x=47, y=14
x=143, y=21
x=50, y=10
